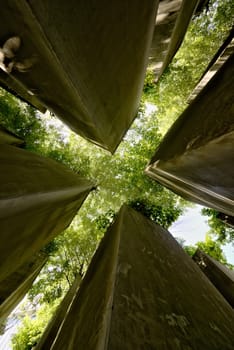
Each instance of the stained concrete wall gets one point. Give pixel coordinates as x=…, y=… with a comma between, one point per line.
x=88, y=60
x=142, y=291
x=218, y=274
x=7, y=137
x=54, y=325
x=17, y=284
x=38, y=200
x=215, y=64
x=15, y=87
x=173, y=18
x=195, y=158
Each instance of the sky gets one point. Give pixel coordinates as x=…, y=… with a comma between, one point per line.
x=192, y=227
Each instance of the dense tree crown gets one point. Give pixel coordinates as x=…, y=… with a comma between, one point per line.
x=119, y=178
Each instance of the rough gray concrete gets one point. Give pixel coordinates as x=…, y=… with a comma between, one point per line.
x=196, y=158
x=142, y=291
x=17, y=284
x=7, y=137
x=88, y=60
x=55, y=323
x=173, y=18
x=38, y=199
x=218, y=274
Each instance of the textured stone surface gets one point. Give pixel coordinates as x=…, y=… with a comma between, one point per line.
x=38, y=199
x=7, y=137
x=15, y=87
x=17, y=284
x=172, y=21
x=218, y=274
x=215, y=64
x=142, y=291
x=52, y=329
x=196, y=158
x=88, y=60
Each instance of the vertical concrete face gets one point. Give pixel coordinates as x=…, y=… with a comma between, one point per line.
x=52, y=329
x=15, y=87
x=38, y=200
x=228, y=220
x=218, y=274
x=173, y=18
x=87, y=60
x=17, y=284
x=142, y=291
x=196, y=159
x=215, y=64
x=7, y=137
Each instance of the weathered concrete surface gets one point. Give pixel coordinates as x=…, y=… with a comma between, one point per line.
x=88, y=60
x=7, y=137
x=218, y=274
x=173, y=18
x=17, y=284
x=38, y=200
x=52, y=329
x=164, y=25
x=15, y=87
x=224, y=52
x=227, y=219
x=196, y=158
x=142, y=291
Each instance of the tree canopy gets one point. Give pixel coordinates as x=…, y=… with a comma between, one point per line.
x=208, y=246
x=220, y=226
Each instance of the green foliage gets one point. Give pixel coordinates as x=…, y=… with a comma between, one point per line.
x=31, y=329
x=209, y=246
x=218, y=228
x=105, y=220
x=212, y=248
x=22, y=120
x=3, y=326
x=163, y=216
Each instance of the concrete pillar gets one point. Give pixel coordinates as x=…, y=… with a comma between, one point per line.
x=142, y=291
x=17, y=284
x=195, y=158
x=38, y=199
x=172, y=21
x=54, y=325
x=86, y=60
x=7, y=137
x=221, y=277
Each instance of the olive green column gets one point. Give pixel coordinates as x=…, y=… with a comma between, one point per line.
x=38, y=199
x=17, y=284
x=55, y=323
x=7, y=137
x=142, y=291
x=196, y=158
x=83, y=60
x=221, y=276
x=173, y=18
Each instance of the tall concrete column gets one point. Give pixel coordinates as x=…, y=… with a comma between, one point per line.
x=17, y=284
x=38, y=200
x=85, y=60
x=196, y=158
x=55, y=323
x=7, y=137
x=221, y=277
x=142, y=291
